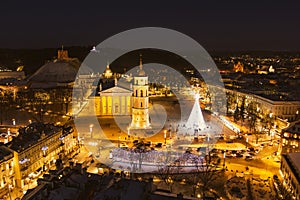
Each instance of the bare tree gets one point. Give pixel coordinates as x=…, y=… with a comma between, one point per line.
x=204, y=177
x=194, y=181
x=167, y=172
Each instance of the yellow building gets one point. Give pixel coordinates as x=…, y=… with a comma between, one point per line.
x=239, y=67
x=121, y=101
x=36, y=148
x=113, y=101
x=290, y=138
x=7, y=181
x=290, y=168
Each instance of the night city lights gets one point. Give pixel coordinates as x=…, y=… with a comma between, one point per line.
x=150, y=100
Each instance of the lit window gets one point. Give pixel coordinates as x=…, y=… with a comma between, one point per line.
x=295, y=135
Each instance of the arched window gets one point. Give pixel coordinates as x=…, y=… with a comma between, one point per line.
x=146, y=93
x=141, y=104
x=136, y=93
x=141, y=93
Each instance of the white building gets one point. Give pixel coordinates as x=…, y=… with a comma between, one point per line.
x=283, y=109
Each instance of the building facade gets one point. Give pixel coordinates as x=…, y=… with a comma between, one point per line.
x=290, y=168
x=283, y=109
x=37, y=148
x=290, y=138
x=113, y=101
x=7, y=179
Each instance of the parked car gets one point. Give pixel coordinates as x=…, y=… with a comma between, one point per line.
x=123, y=145
x=248, y=157
x=158, y=145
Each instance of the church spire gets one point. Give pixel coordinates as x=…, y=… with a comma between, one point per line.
x=141, y=71
x=141, y=62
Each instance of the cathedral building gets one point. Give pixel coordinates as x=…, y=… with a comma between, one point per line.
x=118, y=100
x=114, y=101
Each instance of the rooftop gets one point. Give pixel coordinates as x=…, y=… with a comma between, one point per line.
x=30, y=135
x=5, y=154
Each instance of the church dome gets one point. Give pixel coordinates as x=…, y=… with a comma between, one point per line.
x=142, y=72
x=107, y=72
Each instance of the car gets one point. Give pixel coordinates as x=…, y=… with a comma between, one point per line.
x=158, y=145
x=214, y=150
x=148, y=144
x=248, y=157
x=180, y=148
x=238, y=155
x=201, y=149
x=214, y=155
x=123, y=145
x=250, y=149
x=135, y=141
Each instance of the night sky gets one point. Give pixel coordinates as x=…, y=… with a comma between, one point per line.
x=223, y=25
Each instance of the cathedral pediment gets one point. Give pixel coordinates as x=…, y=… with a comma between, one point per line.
x=115, y=91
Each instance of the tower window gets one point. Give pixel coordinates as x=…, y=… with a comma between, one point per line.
x=141, y=104
x=141, y=93
x=136, y=93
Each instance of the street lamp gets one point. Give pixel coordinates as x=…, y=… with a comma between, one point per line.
x=128, y=132
x=91, y=128
x=13, y=122
x=165, y=136
x=247, y=143
x=224, y=157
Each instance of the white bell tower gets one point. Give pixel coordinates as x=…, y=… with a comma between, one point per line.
x=140, y=100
